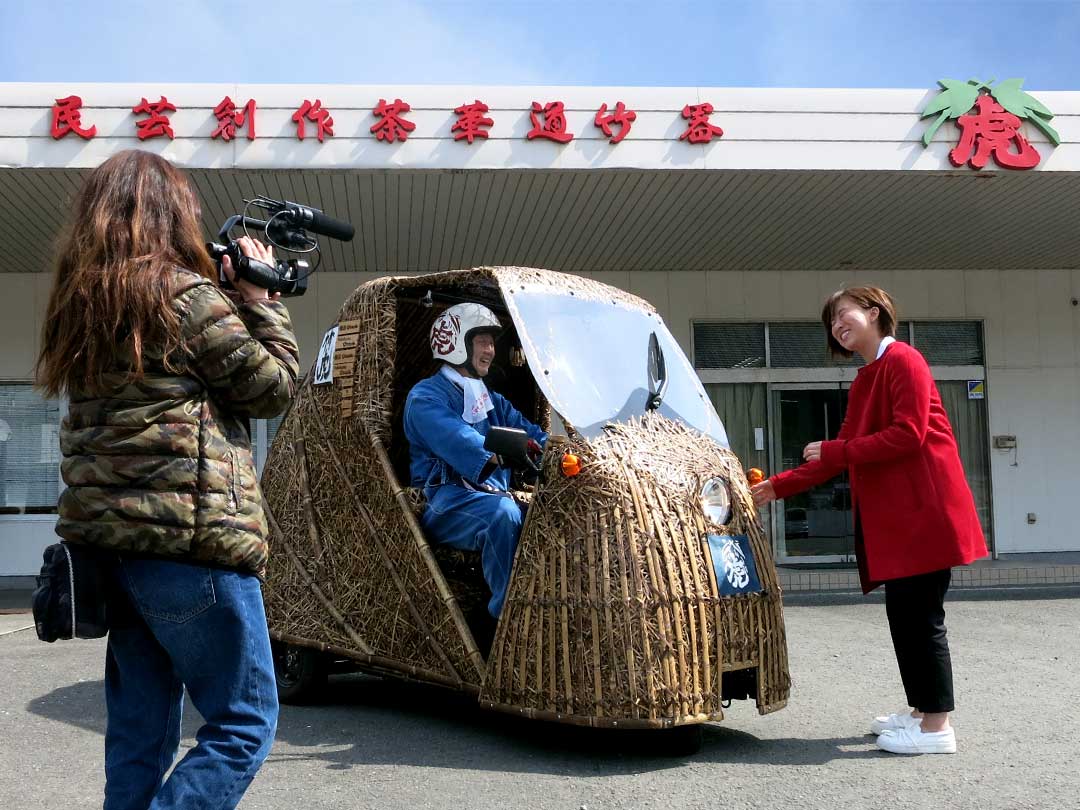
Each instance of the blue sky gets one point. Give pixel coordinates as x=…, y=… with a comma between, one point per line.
x=824, y=43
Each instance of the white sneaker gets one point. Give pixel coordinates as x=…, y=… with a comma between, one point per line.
x=893, y=722
x=913, y=740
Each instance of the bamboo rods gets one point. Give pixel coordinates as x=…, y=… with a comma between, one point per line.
x=594, y=617
x=387, y=562
x=627, y=609
x=300, y=452
x=639, y=596
x=378, y=662
x=568, y=679
x=306, y=577
x=552, y=615
x=424, y=548
x=669, y=545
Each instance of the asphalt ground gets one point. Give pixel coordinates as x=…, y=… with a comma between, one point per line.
x=384, y=744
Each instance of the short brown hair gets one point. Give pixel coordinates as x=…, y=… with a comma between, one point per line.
x=866, y=298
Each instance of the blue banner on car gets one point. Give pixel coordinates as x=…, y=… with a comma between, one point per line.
x=733, y=560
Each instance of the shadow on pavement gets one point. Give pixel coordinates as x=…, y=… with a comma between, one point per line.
x=374, y=721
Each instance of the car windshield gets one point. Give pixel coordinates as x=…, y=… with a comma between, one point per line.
x=591, y=360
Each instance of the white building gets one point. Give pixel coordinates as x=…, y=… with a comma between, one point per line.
x=736, y=241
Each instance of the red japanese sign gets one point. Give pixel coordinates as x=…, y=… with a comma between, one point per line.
x=231, y=118
x=317, y=114
x=553, y=125
x=67, y=117
x=699, y=130
x=472, y=120
x=991, y=132
x=548, y=120
x=156, y=123
x=392, y=126
x=621, y=116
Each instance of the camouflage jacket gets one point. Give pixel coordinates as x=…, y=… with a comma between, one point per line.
x=163, y=466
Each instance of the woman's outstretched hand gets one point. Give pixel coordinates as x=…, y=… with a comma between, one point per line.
x=763, y=493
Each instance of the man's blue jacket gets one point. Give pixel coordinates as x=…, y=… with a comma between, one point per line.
x=443, y=447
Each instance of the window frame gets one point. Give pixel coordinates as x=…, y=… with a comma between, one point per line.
x=62, y=411
x=838, y=373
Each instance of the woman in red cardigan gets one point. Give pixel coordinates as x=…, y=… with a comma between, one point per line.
x=915, y=517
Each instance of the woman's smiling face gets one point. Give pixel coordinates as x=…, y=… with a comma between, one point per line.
x=854, y=327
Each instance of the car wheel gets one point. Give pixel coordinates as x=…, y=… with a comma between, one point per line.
x=681, y=741
x=300, y=672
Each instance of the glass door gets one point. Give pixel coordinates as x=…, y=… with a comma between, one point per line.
x=816, y=525
x=967, y=415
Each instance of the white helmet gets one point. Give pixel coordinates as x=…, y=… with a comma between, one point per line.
x=453, y=329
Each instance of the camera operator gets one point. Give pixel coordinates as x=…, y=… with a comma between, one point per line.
x=163, y=371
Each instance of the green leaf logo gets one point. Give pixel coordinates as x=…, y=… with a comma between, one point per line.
x=957, y=97
x=1009, y=95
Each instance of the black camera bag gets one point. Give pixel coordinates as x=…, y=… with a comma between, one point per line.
x=69, y=600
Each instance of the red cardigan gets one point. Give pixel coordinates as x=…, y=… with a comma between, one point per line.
x=908, y=489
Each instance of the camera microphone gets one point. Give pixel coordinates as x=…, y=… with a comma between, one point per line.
x=286, y=229
x=315, y=220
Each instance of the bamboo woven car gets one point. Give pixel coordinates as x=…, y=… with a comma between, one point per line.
x=616, y=614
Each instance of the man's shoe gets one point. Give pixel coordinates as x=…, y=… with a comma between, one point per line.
x=913, y=740
x=893, y=722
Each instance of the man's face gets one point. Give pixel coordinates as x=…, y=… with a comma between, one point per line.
x=483, y=352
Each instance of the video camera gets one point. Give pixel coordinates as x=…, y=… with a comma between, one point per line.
x=285, y=229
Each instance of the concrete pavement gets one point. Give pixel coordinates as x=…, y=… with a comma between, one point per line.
x=379, y=743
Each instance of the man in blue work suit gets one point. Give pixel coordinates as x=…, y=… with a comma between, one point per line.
x=447, y=416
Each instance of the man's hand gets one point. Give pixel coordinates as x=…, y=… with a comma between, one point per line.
x=534, y=451
x=812, y=451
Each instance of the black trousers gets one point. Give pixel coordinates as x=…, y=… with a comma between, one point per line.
x=916, y=611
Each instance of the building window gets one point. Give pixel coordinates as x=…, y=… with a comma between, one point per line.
x=802, y=344
x=272, y=426
x=729, y=345
x=798, y=345
x=949, y=343
x=262, y=439
x=29, y=451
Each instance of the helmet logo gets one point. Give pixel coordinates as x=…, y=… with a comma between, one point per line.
x=444, y=334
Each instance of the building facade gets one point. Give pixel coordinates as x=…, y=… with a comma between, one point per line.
x=734, y=211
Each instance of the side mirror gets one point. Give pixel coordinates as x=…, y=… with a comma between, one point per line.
x=658, y=379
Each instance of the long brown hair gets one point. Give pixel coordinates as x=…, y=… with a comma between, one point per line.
x=135, y=218
x=867, y=298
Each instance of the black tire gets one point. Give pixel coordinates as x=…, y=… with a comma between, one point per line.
x=681, y=741
x=300, y=672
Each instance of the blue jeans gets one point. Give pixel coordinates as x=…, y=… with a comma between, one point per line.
x=174, y=626
x=478, y=521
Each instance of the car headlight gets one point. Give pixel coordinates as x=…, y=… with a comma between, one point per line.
x=716, y=500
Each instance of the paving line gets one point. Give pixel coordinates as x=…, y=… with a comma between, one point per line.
x=16, y=630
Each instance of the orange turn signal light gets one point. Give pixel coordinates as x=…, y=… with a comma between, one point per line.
x=570, y=465
x=754, y=476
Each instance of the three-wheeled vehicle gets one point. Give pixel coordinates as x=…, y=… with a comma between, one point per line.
x=643, y=593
